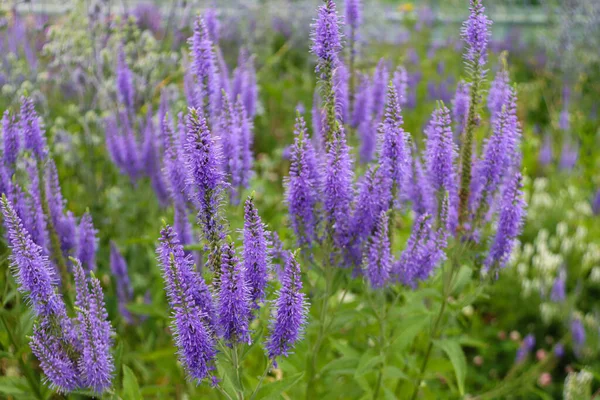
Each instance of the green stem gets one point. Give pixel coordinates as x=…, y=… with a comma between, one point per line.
x=262, y=378
x=236, y=366
x=223, y=392
x=382, y=345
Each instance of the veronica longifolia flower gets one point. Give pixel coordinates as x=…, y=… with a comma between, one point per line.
x=401, y=84
x=526, y=347
x=11, y=140
x=96, y=363
x=326, y=39
x=303, y=186
x=289, y=316
x=118, y=267
x=88, y=243
x=475, y=33
x=499, y=93
x=377, y=258
x=193, y=337
x=125, y=90
x=510, y=224
x=255, y=253
x=204, y=67
x=460, y=106
x=234, y=298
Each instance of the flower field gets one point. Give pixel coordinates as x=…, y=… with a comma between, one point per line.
x=300, y=200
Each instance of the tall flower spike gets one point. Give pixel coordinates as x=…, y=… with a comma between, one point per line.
x=33, y=134
x=118, y=267
x=230, y=135
x=510, y=224
x=289, y=315
x=205, y=68
x=460, y=106
x=255, y=253
x=125, y=89
x=400, y=80
x=194, y=341
x=326, y=38
x=32, y=269
x=377, y=258
x=353, y=13
x=55, y=361
x=476, y=34
x=10, y=140
x=338, y=190
x=499, y=92
x=176, y=176
x=394, y=157
x=440, y=157
x=36, y=221
x=96, y=363
x=303, y=185
x=88, y=243
x=234, y=298
x=381, y=77
x=246, y=141
x=206, y=181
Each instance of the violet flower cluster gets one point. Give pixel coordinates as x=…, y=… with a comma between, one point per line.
x=356, y=221
x=150, y=146
x=205, y=314
x=74, y=352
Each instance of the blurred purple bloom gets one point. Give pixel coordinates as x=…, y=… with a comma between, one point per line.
x=381, y=77
x=558, y=293
x=401, y=84
x=545, y=157
x=596, y=203
x=11, y=140
x=526, y=347
x=34, y=138
x=204, y=67
x=568, y=156
x=460, y=106
x=353, y=13
x=125, y=89
x=118, y=267
x=87, y=243
x=499, y=93
x=212, y=24
x=577, y=333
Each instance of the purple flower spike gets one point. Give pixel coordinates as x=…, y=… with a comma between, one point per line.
x=175, y=175
x=577, y=333
x=212, y=24
x=362, y=102
x=559, y=290
x=34, y=274
x=205, y=68
x=394, y=156
x=255, y=253
x=476, y=34
x=338, y=190
x=326, y=37
x=460, y=106
x=125, y=89
x=303, y=186
x=510, y=224
x=234, y=298
x=381, y=77
x=59, y=368
x=246, y=140
x=88, y=243
x=33, y=134
x=289, y=316
x=118, y=267
x=400, y=80
x=353, y=13
x=36, y=221
x=499, y=93
x=193, y=338
x=96, y=363
x=377, y=259
x=11, y=140
x=440, y=159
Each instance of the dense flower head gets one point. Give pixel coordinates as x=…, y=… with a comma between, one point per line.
x=246, y=140
x=499, y=93
x=440, y=159
x=193, y=338
x=420, y=191
x=11, y=140
x=212, y=24
x=204, y=66
x=176, y=176
x=95, y=365
x=476, y=34
x=377, y=258
x=205, y=174
x=234, y=298
x=362, y=102
x=229, y=131
x=338, y=190
x=88, y=243
x=381, y=77
x=510, y=223
x=60, y=369
x=394, y=155
x=289, y=315
x=341, y=78
x=400, y=80
x=33, y=136
x=33, y=270
x=125, y=89
x=326, y=36
x=255, y=253
x=303, y=185
x=460, y=106
x=35, y=222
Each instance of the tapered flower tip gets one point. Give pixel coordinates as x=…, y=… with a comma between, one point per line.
x=326, y=35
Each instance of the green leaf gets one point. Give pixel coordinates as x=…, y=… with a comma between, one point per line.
x=131, y=389
x=462, y=278
x=389, y=371
x=459, y=362
x=147, y=309
x=410, y=328
x=368, y=362
x=13, y=385
x=157, y=355
x=340, y=366
x=274, y=390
